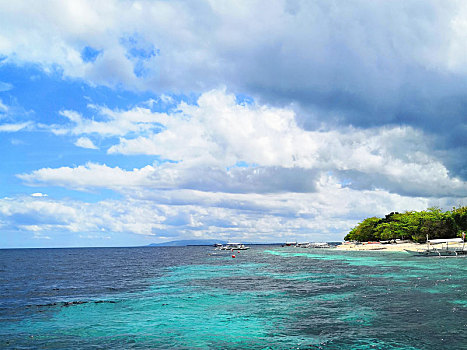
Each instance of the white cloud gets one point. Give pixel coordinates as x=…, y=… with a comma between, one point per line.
x=208, y=42
x=212, y=141
x=219, y=131
x=198, y=45
x=112, y=123
x=38, y=194
x=37, y=235
x=253, y=168
x=244, y=171
x=327, y=214
x=14, y=127
x=352, y=65
x=359, y=63
x=3, y=107
x=85, y=142
x=166, y=99
x=90, y=175
x=48, y=215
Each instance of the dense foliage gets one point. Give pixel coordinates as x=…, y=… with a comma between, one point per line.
x=412, y=225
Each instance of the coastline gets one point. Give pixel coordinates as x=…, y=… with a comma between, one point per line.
x=393, y=247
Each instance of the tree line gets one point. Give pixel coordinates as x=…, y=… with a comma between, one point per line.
x=412, y=225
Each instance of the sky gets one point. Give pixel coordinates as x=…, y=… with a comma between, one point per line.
x=125, y=123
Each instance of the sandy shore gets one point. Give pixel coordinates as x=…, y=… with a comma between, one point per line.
x=399, y=247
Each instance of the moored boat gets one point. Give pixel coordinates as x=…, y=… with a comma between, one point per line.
x=234, y=246
x=440, y=247
x=320, y=245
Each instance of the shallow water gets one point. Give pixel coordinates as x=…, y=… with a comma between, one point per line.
x=266, y=298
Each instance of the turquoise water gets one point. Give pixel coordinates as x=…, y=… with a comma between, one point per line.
x=265, y=298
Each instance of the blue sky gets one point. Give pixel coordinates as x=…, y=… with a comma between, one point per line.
x=128, y=123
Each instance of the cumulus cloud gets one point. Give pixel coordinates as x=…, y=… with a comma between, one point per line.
x=48, y=215
x=221, y=145
x=327, y=213
x=367, y=63
x=236, y=170
x=356, y=108
x=89, y=176
x=171, y=176
x=111, y=123
x=85, y=142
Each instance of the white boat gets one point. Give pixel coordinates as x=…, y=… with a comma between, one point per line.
x=289, y=244
x=234, y=246
x=440, y=247
x=319, y=245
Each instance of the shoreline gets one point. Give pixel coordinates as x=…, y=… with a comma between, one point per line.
x=392, y=247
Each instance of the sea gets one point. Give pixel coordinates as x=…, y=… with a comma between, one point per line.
x=268, y=297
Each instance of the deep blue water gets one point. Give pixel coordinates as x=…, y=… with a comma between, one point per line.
x=196, y=298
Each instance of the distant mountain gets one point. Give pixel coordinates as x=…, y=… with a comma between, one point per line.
x=182, y=243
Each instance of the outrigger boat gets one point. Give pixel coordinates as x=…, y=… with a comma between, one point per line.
x=307, y=245
x=233, y=246
x=433, y=248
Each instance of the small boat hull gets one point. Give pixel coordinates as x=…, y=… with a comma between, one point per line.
x=437, y=252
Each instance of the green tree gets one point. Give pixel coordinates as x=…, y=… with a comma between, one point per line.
x=435, y=224
x=432, y=222
x=459, y=216
x=365, y=231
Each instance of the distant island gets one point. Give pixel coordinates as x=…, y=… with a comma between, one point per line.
x=182, y=243
x=201, y=242
x=412, y=225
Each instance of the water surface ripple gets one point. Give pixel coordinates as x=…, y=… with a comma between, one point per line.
x=196, y=298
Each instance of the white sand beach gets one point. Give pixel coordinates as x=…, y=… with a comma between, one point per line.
x=394, y=247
